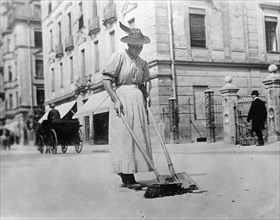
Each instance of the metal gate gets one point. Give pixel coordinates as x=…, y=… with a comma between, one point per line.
x=218, y=115
x=244, y=134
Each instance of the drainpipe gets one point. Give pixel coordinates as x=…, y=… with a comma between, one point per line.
x=171, y=46
x=30, y=65
x=173, y=111
x=30, y=138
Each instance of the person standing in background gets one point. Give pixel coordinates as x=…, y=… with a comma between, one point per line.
x=257, y=114
x=53, y=113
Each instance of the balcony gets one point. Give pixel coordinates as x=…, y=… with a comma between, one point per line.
x=69, y=45
x=93, y=25
x=109, y=14
x=58, y=50
x=83, y=84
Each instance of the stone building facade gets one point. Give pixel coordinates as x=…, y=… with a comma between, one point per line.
x=22, y=64
x=194, y=45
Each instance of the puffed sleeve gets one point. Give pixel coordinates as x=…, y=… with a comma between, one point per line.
x=146, y=72
x=113, y=67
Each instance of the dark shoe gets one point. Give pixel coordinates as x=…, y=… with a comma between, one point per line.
x=127, y=178
x=259, y=144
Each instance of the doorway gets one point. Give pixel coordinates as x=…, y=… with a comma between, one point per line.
x=101, y=126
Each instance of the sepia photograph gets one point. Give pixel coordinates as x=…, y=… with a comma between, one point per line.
x=139, y=109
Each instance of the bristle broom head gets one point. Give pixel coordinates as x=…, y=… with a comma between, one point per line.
x=161, y=190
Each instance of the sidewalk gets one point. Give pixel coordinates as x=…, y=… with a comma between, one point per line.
x=196, y=147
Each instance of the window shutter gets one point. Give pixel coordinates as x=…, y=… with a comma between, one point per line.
x=197, y=30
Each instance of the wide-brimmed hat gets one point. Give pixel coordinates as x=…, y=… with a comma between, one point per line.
x=134, y=36
x=255, y=92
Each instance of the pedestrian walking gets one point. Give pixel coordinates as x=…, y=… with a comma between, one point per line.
x=5, y=139
x=131, y=76
x=257, y=114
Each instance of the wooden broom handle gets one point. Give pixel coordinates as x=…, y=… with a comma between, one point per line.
x=170, y=165
x=159, y=177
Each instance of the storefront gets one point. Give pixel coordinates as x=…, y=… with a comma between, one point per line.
x=95, y=115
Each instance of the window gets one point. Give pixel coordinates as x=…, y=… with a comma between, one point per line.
x=69, y=24
x=53, y=80
x=81, y=22
x=16, y=71
x=59, y=32
x=37, y=11
x=51, y=41
x=38, y=38
x=17, y=99
x=11, y=101
x=112, y=41
x=8, y=44
x=131, y=23
x=71, y=70
x=10, y=73
x=270, y=31
x=15, y=40
x=87, y=128
x=81, y=19
x=61, y=75
x=40, y=96
x=39, y=69
x=197, y=28
x=83, y=63
x=50, y=8
x=96, y=54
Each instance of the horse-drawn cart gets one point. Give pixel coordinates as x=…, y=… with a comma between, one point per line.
x=63, y=132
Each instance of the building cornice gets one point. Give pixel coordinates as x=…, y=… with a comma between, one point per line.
x=270, y=6
x=7, y=31
x=201, y=63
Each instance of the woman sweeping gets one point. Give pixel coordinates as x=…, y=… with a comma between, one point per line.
x=131, y=77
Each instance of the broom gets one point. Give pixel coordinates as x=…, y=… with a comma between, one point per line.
x=183, y=177
x=163, y=188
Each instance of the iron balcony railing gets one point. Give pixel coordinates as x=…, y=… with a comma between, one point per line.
x=109, y=14
x=69, y=43
x=58, y=50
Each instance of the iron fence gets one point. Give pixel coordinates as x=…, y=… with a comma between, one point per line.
x=219, y=122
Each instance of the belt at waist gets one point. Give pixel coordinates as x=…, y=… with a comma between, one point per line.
x=128, y=86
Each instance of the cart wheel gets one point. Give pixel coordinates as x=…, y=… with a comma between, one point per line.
x=53, y=141
x=79, y=144
x=64, y=148
x=40, y=144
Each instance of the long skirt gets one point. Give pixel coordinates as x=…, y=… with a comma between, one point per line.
x=124, y=153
